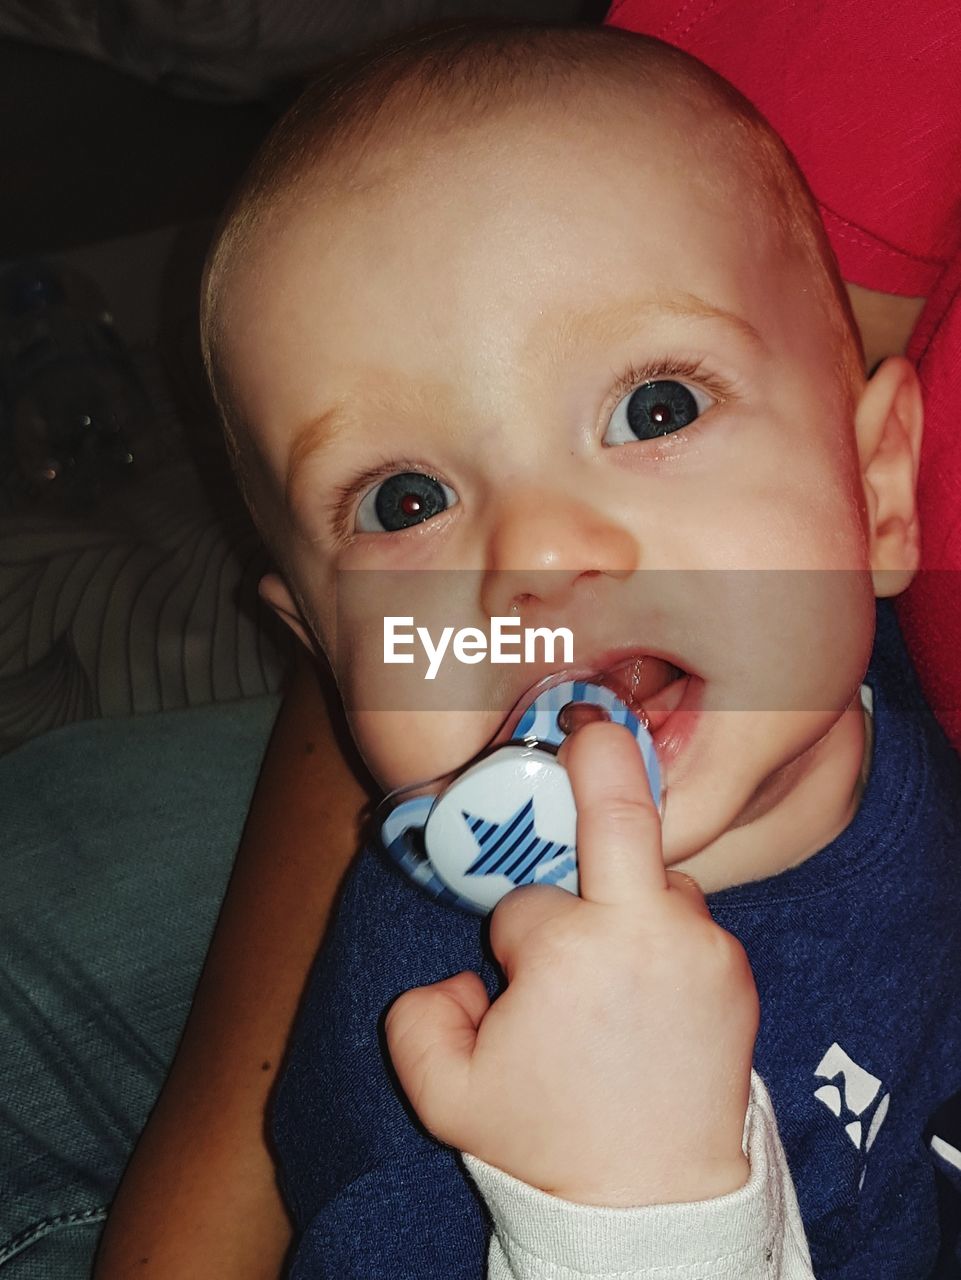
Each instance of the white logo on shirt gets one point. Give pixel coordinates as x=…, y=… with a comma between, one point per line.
x=855, y=1103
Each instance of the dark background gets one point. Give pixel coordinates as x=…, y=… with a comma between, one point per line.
x=89, y=153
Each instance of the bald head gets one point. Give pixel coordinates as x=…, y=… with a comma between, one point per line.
x=371, y=118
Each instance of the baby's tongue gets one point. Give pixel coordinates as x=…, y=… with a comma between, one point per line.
x=637, y=680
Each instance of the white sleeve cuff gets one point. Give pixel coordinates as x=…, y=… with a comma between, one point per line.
x=754, y=1233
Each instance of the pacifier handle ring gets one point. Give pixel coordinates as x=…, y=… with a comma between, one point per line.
x=396, y=837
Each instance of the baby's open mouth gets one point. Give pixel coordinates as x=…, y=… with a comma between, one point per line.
x=651, y=687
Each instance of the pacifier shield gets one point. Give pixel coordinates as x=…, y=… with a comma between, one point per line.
x=509, y=820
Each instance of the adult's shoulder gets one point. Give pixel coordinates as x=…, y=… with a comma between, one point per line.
x=866, y=95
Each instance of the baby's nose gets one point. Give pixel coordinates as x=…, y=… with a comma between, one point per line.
x=543, y=544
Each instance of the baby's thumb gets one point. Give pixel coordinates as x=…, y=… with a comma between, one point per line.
x=431, y=1032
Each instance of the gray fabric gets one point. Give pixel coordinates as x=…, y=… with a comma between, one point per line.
x=238, y=48
x=147, y=603
x=117, y=841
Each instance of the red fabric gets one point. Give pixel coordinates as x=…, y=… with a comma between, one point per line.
x=930, y=611
x=868, y=97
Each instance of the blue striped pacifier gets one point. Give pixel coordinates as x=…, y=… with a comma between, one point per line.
x=508, y=819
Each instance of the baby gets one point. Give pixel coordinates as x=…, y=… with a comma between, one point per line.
x=543, y=324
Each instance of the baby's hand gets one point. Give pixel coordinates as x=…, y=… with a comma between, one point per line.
x=615, y=1068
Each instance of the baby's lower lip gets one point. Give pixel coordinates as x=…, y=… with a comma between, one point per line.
x=674, y=719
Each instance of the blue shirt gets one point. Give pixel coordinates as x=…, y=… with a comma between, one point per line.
x=857, y=958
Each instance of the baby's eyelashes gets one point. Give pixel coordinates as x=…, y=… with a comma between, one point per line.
x=401, y=501
x=655, y=408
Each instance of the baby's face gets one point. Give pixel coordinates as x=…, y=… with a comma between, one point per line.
x=568, y=371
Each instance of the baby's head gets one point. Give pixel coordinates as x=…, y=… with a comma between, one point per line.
x=543, y=314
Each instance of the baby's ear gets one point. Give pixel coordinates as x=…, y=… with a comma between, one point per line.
x=275, y=593
x=889, y=420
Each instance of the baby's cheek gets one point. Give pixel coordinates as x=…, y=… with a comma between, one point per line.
x=834, y=620
x=816, y=523
x=406, y=747
x=785, y=639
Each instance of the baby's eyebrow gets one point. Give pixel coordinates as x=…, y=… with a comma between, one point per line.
x=616, y=320
x=620, y=319
x=319, y=433
x=309, y=439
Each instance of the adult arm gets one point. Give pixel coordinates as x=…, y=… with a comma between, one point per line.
x=200, y=1194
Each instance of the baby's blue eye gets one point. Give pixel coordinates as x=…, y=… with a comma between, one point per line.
x=402, y=501
x=655, y=409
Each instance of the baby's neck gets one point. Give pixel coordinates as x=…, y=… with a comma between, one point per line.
x=818, y=796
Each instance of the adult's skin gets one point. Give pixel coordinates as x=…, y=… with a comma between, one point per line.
x=200, y=1195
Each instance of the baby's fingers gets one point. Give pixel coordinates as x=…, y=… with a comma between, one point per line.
x=679, y=882
x=618, y=828
x=520, y=916
x=431, y=1033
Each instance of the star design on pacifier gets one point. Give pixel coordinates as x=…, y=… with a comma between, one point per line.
x=513, y=848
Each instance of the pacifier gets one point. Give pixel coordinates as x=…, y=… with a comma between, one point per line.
x=508, y=818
